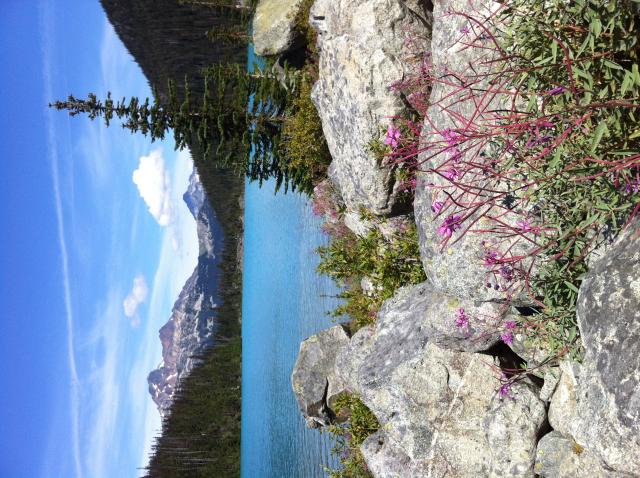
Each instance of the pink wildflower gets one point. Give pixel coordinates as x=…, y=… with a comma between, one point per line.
x=524, y=225
x=450, y=225
x=556, y=91
x=452, y=174
x=490, y=257
x=632, y=187
x=510, y=324
x=505, y=391
x=436, y=207
x=507, y=338
x=506, y=272
x=393, y=135
x=450, y=136
x=462, y=319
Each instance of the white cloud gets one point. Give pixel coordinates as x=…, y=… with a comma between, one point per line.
x=154, y=186
x=136, y=297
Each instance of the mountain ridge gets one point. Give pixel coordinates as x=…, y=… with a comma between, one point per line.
x=192, y=325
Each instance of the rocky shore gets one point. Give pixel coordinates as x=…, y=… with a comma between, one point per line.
x=439, y=392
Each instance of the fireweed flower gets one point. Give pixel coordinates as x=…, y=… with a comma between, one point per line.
x=490, y=257
x=450, y=225
x=505, y=390
x=462, y=319
x=436, y=207
x=393, y=135
x=507, y=273
x=632, y=187
x=452, y=174
x=451, y=137
x=524, y=225
x=510, y=324
x=507, y=338
x=556, y=91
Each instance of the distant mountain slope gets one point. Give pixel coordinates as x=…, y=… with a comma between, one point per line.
x=190, y=329
x=168, y=40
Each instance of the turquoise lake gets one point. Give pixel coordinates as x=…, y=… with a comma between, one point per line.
x=284, y=302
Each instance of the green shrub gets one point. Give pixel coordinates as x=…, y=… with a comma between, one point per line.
x=389, y=263
x=303, y=147
x=349, y=436
x=578, y=68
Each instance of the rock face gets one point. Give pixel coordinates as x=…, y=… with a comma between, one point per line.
x=190, y=328
x=561, y=457
x=418, y=313
x=314, y=380
x=608, y=395
x=459, y=269
x=386, y=460
x=443, y=411
x=274, y=26
x=351, y=357
x=562, y=409
x=361, y=47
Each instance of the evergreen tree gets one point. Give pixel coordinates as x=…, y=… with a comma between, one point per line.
x=230, y=35
x=237, y=122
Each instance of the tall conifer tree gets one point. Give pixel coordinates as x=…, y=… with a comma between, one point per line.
x=237, y=122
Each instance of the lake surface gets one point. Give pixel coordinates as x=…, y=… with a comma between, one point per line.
x=284, y=302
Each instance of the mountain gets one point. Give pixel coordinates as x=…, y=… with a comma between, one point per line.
x=169, y=40
x=190, y=329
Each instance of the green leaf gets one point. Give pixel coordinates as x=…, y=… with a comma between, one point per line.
x=554, y=50
x=613, y=65
x=597, y=137
x=557, y=156
x=636, y=72
x=626, y=83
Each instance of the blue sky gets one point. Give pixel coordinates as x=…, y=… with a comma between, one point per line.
x=98, y=244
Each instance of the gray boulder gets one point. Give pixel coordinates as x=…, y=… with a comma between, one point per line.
x=361, y=46
x=458, y=269
x=608, y=394
x=351, y=357
x=442, y=409
x=274, y=26
x=314, y=381
x=563, y=406
x=561, y=457
x=551, y=378
x=385, y=459
x=418, y=313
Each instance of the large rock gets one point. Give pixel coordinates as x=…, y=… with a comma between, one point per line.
x=385, y=459
x=443, y=410
x=314, y=381
x=350, y=358
x=561, y=457
x=563, y=406
x=418, y=313
x=608, y=394
x=361, y=47
x=460, y=269
x=274, y=26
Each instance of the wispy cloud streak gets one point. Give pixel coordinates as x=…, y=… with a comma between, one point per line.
x=46, y=22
